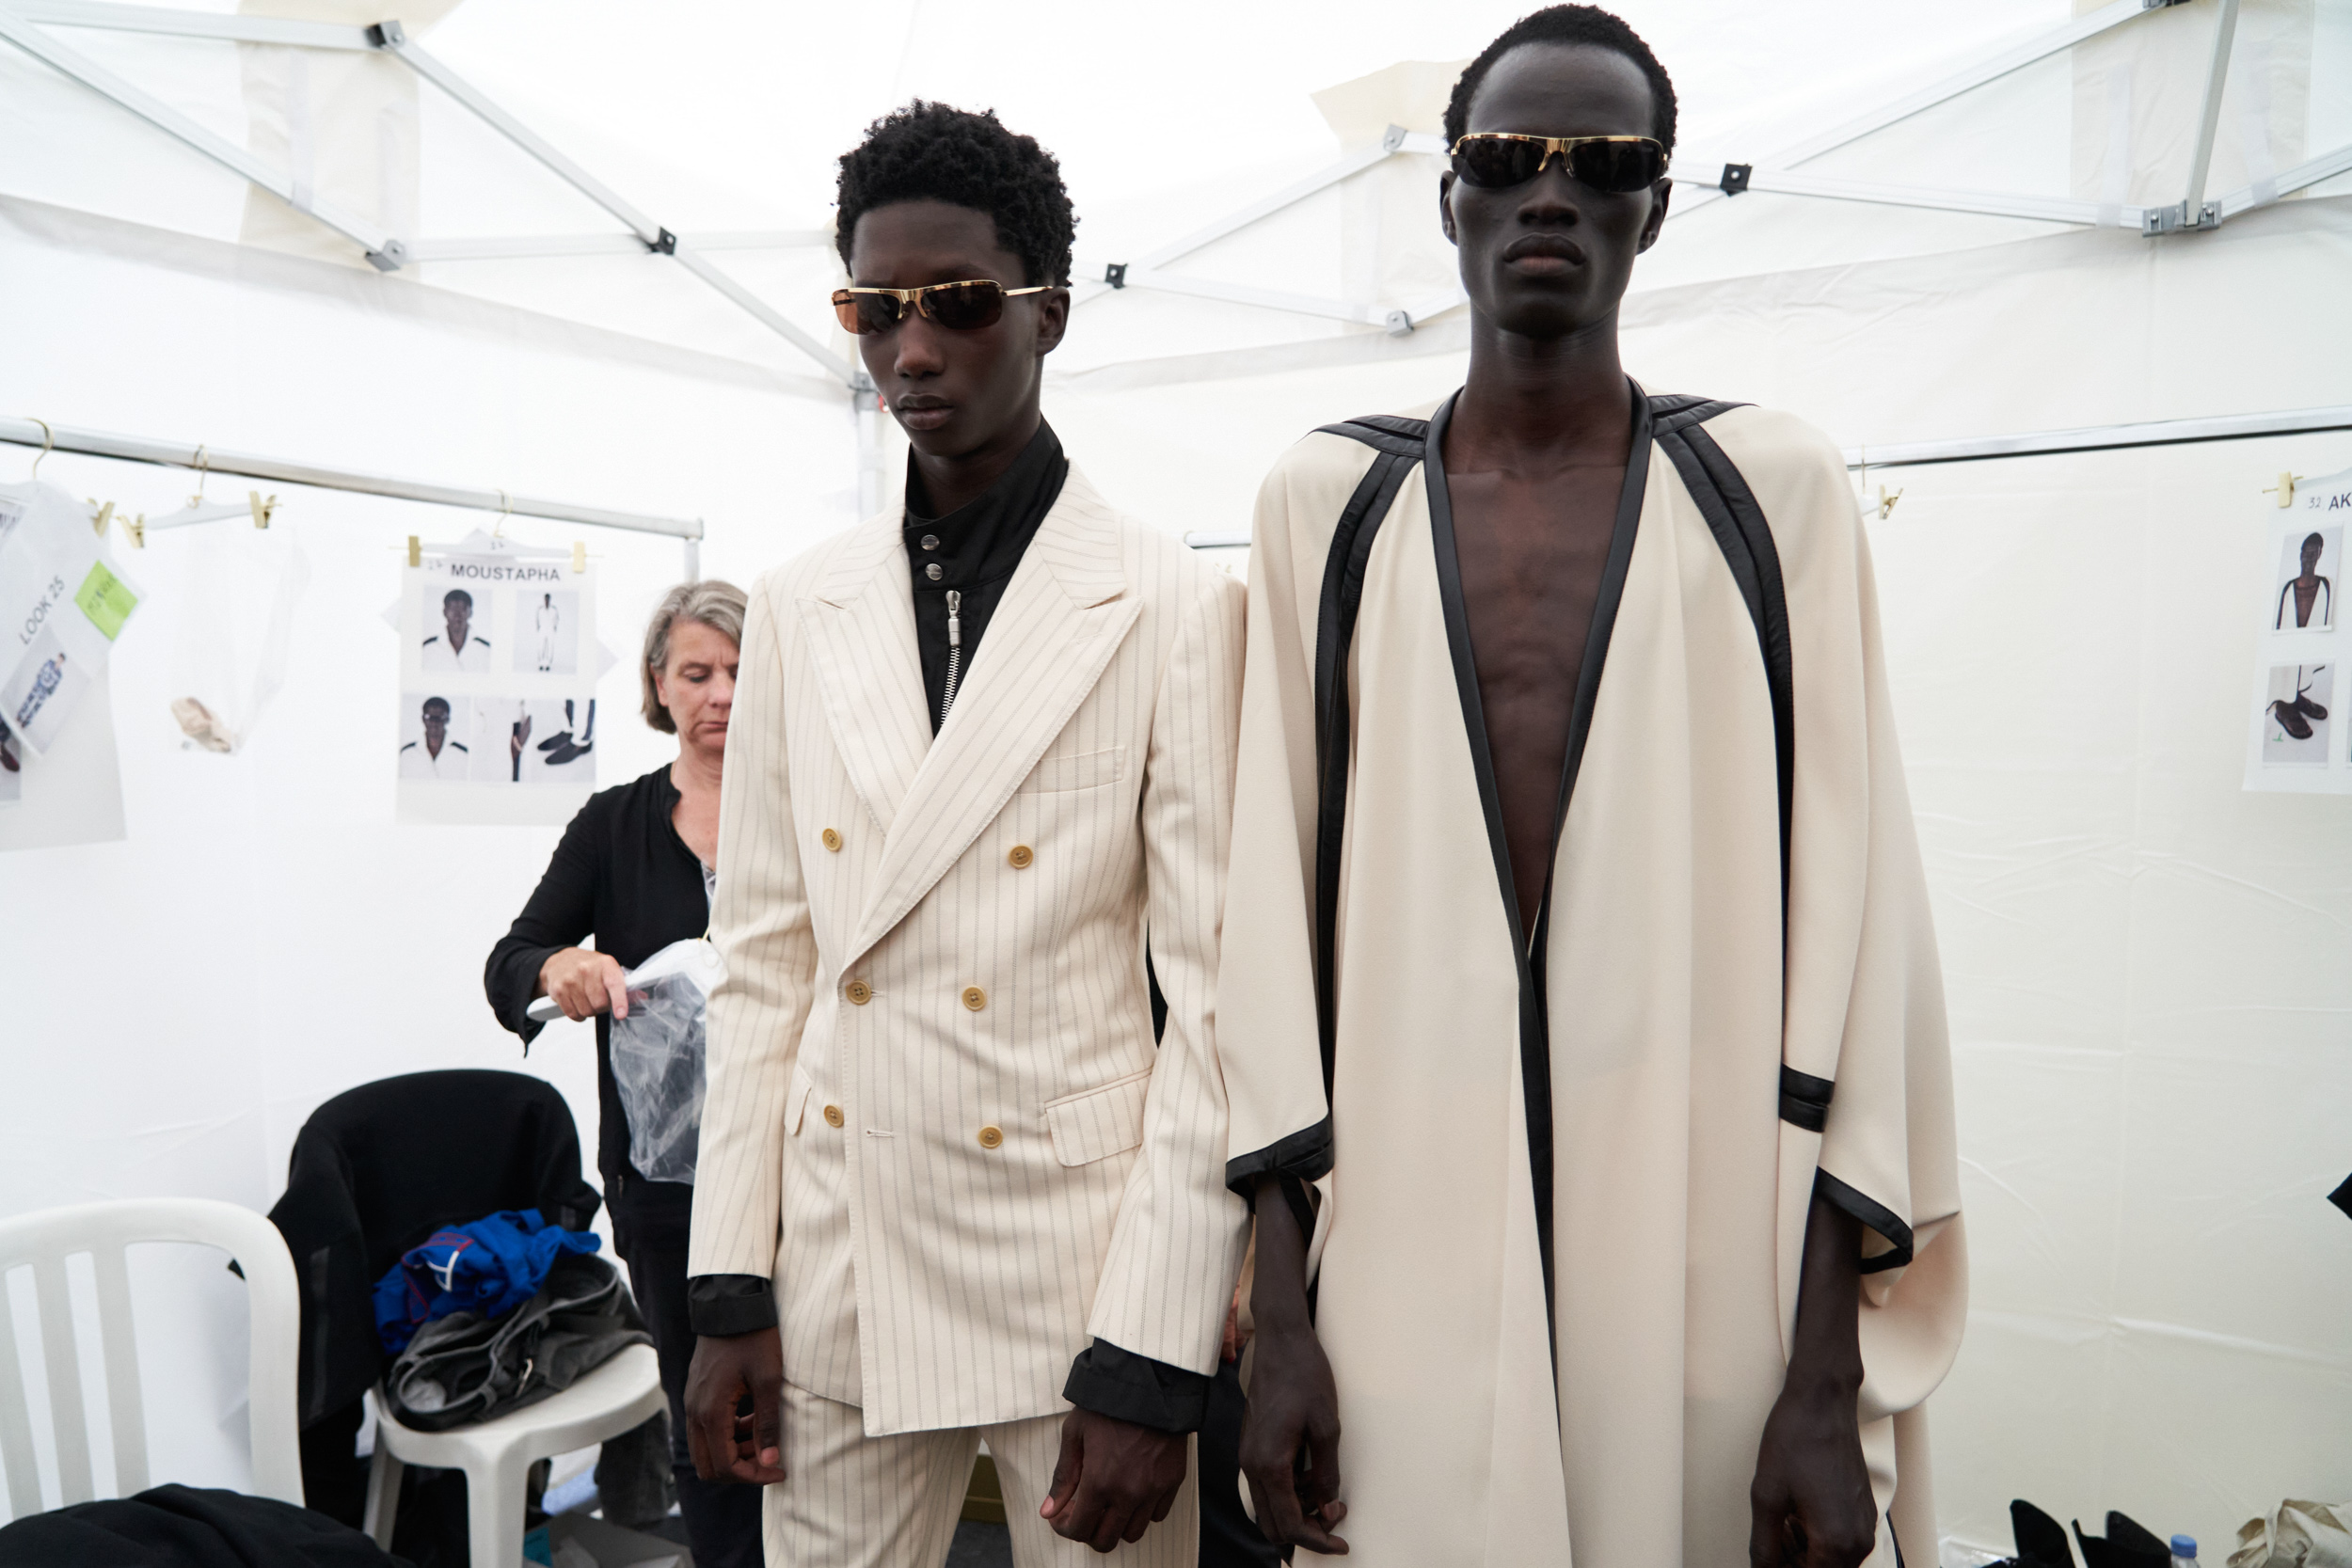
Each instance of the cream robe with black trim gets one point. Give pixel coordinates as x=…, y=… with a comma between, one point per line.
x=1679, y=1193
x=935, y=1113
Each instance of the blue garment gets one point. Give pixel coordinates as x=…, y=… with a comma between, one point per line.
x=490, y=1267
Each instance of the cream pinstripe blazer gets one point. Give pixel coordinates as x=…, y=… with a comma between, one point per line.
x=935, y=1114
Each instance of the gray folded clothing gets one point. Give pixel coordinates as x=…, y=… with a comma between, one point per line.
x=465, y=1368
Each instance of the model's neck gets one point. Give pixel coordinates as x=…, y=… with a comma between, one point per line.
x=1544, y=397
x=952, y=484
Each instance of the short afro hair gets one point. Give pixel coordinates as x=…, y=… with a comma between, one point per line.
x=1567, y=24
x=933, y=151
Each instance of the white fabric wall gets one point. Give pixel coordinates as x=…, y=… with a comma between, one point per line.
x=2152, y=1003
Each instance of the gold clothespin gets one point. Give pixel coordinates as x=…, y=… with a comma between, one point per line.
x=1886, y=502
x=106, y=514
x=2284, y=489
x=135, y=529
x=416, y=551
x=580, y=555
x=262, y=509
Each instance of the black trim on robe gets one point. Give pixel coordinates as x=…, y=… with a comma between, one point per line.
x=1304, y=1155
x=1870, y=1211
x=1804, y=1099
x=1745, y=538
x=1130, y=1387
x=724, y=1304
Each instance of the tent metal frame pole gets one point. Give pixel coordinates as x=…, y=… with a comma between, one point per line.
x=202, y=459
x=1142, y=270
x=2006, y=62
x=2301, y=177
x=388, y=253
x=2194, y=210
x=2047, y=208
x=496, y=248
x=393, y=40
x=192, y=25
x=383, y=250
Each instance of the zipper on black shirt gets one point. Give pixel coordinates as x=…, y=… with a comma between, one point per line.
x=955, y=650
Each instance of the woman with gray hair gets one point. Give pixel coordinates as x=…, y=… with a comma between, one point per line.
x=634, y=871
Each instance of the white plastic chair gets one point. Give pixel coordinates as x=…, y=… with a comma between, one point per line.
x=496, y=1454
x=46, y=1241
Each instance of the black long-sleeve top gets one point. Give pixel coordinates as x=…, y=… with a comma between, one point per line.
x=973, y=552
x=623, y=875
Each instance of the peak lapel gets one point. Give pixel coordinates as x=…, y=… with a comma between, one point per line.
x=860, y=621
x=1063, y=615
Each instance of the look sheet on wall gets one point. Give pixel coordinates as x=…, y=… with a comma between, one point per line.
x=2300, y=741
x=64, y=603
x=498, y=666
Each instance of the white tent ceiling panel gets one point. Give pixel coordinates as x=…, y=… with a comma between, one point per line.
x=60, y=142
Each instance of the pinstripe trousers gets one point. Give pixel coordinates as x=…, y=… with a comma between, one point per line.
x=855, y=1501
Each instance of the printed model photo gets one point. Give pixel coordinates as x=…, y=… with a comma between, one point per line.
x=47, y=682
x=2294, y=718
x=2306, y=599
x=547, y=630
x=534, y=740
x=429, y=747
x=11, y=768
x=457, y=647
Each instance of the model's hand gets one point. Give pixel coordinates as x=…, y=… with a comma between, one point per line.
x=517, y=736
x=1294, y=1410
x=727, y=1446
x=1811, y=1501
x=584, y=983
x=1115, y=1480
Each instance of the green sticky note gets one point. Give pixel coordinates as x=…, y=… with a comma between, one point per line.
x=106, y=600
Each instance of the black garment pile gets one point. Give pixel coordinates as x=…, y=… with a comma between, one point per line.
x=185, y=1527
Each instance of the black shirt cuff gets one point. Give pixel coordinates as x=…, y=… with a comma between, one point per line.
x=1129, y=1388
x=725, y=1305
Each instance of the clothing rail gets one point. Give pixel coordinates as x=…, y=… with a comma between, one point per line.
x=2155, y=433
x=133, y=449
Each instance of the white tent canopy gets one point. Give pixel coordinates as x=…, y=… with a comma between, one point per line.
x=2151, y=998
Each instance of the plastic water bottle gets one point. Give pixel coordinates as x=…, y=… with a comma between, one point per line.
x=2185, y=1551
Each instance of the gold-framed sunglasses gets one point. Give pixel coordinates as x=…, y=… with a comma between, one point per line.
x=964, y=306
x=1497, y=160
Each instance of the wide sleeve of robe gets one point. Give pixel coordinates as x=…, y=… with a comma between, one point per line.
x=1864, y=996
x=1267, y=1035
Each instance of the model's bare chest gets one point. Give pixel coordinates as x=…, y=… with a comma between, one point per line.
x=1532, y=550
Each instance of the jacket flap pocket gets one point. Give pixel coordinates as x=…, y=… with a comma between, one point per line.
x=1095, y=1124
x=796, y=1101
x=1083, y=771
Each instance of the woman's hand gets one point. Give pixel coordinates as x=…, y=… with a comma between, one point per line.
x=584, y=983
